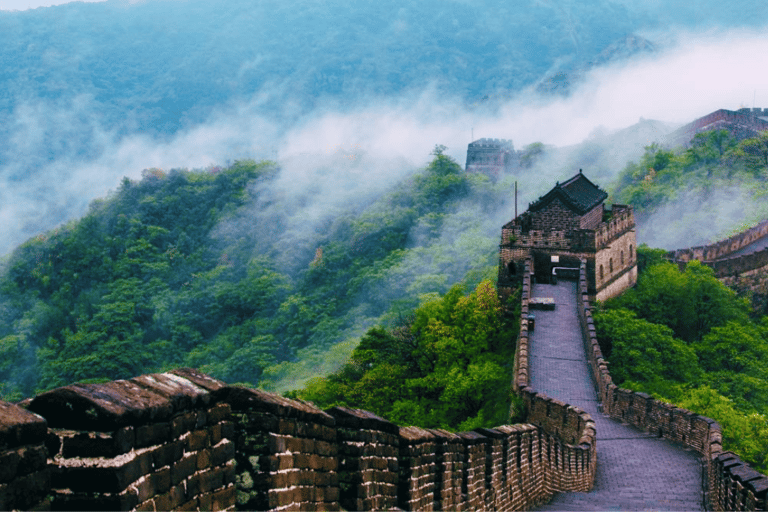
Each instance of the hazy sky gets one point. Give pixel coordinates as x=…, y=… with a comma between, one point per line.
x=22, y=5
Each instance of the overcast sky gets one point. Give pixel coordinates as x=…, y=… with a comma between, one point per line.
x=22, y=5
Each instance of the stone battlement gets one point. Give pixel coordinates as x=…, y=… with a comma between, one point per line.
x=184, y=441
x=721, y=249
x=620, y=221
x=731, y=483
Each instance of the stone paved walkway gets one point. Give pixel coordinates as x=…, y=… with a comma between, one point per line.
x=635, y=471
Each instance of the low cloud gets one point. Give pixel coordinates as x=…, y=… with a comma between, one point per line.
x=358, y=151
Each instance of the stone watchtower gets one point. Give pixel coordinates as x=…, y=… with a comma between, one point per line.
x=491, y=157
x=566, y=225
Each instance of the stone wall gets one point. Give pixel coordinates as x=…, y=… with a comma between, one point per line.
x=183, y=441
x=742, y=124
x=731, y=484
x=25, y=479
x=155, y=442
x=721, y=249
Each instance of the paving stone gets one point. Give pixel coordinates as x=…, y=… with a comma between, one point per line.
x=635, y=471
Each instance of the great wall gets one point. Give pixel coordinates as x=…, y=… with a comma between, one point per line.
x=182, y=440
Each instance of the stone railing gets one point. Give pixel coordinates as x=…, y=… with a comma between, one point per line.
x=184, y=441
x=721, y=249
x=570, y=432
x=731, y=483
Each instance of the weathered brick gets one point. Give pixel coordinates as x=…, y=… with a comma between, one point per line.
x=203, y=459
x=197, y=440
x=161, y=480
x=152, y=434
x=183, y=423
x=223, y=499
x=167, y=454
x=211, y=479
x=223, y=452
x=183, y=468
x=218, y=413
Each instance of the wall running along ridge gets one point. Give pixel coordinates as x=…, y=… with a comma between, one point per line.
x=747, y=274
x=184, y=441
x=731, y=483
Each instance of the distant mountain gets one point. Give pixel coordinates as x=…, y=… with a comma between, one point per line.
x=77, y=80
x=563, y=81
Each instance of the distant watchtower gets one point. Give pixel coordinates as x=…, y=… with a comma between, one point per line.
x=566, y=225
x=491, y=157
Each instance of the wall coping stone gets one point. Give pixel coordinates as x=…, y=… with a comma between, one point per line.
x=19, y=426
x=472, y=438
x=416, y=435
x=198, y=378
x=247, y=399
x=360, y=419
x=101, y=407
x=492, y=433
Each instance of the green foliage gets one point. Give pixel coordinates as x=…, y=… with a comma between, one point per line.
x=690, y=302
x=181, y=269
x=687, y=339
x=714, y=161
x=449, y=367
x=641, y=351
x=648, y=257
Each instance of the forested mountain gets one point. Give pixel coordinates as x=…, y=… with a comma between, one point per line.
x=91, y=92
x=712, y=189
x=321, y=214
x=181, y=268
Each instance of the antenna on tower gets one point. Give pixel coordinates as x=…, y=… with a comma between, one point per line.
x=515, y=198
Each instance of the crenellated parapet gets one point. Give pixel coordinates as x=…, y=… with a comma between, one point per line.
x=620, y=221
x=181, y=440
x=720, y=249
x=731, y=483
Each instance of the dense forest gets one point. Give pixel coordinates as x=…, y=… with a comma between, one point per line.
x=91, y=92
x=717, y=185
x=208, y=268
x=448, y=365
x=687, y=339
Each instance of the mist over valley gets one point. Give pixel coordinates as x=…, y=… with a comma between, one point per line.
x=248, y=188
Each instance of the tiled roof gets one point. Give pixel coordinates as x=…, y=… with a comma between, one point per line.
x=578, y=193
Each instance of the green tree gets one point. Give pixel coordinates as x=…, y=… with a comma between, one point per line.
x=640, y=351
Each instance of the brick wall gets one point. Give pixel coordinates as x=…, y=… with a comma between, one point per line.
x=555, y=216
x=721, y=249
x=25, y=479
x=740, y=124
x=368, y=459
x=155, y=442
x=731, y=484
x=184, y=441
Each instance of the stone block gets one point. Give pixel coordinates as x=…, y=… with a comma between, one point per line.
x=203, y=459
x=183, y=469
x=103, y=476
x=183, y=423
x=223, y=452
x=211, y=479
x=167, y=454
x=153, y=434
x=196, y=440
x=223, y=499
x=19, y=426
x=161, y=480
